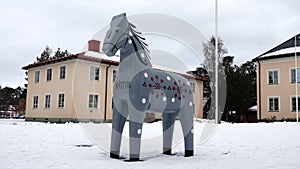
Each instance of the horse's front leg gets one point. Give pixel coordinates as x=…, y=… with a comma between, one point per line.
x=135, y=131
x=118, y=122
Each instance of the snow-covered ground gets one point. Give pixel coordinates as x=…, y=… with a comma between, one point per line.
x=43, y=145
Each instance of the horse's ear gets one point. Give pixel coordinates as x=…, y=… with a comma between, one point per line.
x=122, y=15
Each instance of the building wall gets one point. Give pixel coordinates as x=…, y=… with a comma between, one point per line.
x=77, y=86
x=83, y=86
x=284, y=90
x=53, y=87
x=198, y=98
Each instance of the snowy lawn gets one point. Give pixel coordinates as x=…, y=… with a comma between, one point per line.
x=28, y=145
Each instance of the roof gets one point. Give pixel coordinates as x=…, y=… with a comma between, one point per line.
x=285, y=49
x=83, y=56
x=80, y=56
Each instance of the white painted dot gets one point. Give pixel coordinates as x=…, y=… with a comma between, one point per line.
x=191, y=104
x=173, y=99
x=146, y=75
x=130, y=33
x=142, y=55
x=164, y=98
x=188, y=83
x=130, y=41
x=168, y=78
x=139, y=131
x=144, y=100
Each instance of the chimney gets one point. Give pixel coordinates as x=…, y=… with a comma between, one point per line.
x=94, y=45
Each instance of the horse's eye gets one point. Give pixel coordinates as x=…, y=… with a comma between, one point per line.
x=117, y=31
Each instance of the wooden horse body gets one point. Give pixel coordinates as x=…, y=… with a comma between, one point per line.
x=139, y=88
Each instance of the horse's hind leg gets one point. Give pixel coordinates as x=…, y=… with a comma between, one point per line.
x=168, y=128
x=186, y=120
x=118, y=122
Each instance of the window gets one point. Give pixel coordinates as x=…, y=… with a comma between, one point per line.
x=273, y=77
x=294, y=103
x=94, y=73
x=47, y=101
x=114, y=75
x=62, y=72
x=61, y=100
x=274, y=104
x=35, y=102
x=293, y=75
x=37, y=76
x=49, y=74
x=193, y=87
x=93, y=101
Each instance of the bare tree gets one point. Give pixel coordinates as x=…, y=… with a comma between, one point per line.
x=209, y=65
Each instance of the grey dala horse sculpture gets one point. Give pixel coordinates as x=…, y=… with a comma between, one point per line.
x=139, y=88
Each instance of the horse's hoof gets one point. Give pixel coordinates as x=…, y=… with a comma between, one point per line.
x=172, y=154
x=115, y=156
x=133, y=160
x=168, y=152
x=188, y=153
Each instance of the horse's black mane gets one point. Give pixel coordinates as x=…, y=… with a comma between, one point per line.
x=138, y=35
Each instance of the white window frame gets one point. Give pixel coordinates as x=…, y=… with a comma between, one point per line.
x=45, y=101
x=278, y=78
x=51, y=77
x=92, y=72
x=37, y=78
x=290, y=73
x=35, y=106
x=274, y=97
x=59, y=72
x=58, y=100
x=291, y=103
x=93, y=101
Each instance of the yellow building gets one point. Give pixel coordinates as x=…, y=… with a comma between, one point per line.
x=79, y=88
x=276, y=81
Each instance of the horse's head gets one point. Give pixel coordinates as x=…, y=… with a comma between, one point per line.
x=116, y=36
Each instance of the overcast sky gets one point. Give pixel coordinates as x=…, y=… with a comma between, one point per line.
x=248, y=27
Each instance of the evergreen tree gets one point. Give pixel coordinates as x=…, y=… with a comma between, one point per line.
x=241, y=88
x=11, y=96
x=45, y=55
x=202, y=72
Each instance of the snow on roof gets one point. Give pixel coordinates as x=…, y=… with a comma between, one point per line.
x=289, y=50
x=285, y=49
x=160, y=67
x=101, y=55
x=253, y=108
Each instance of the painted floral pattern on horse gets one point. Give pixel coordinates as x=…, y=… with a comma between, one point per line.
x=159, y=85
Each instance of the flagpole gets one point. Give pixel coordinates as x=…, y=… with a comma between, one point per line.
x=296, y=82
x=216, y=65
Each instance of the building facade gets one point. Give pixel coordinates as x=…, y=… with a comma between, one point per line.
x=277, y=80
x=80, y=88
